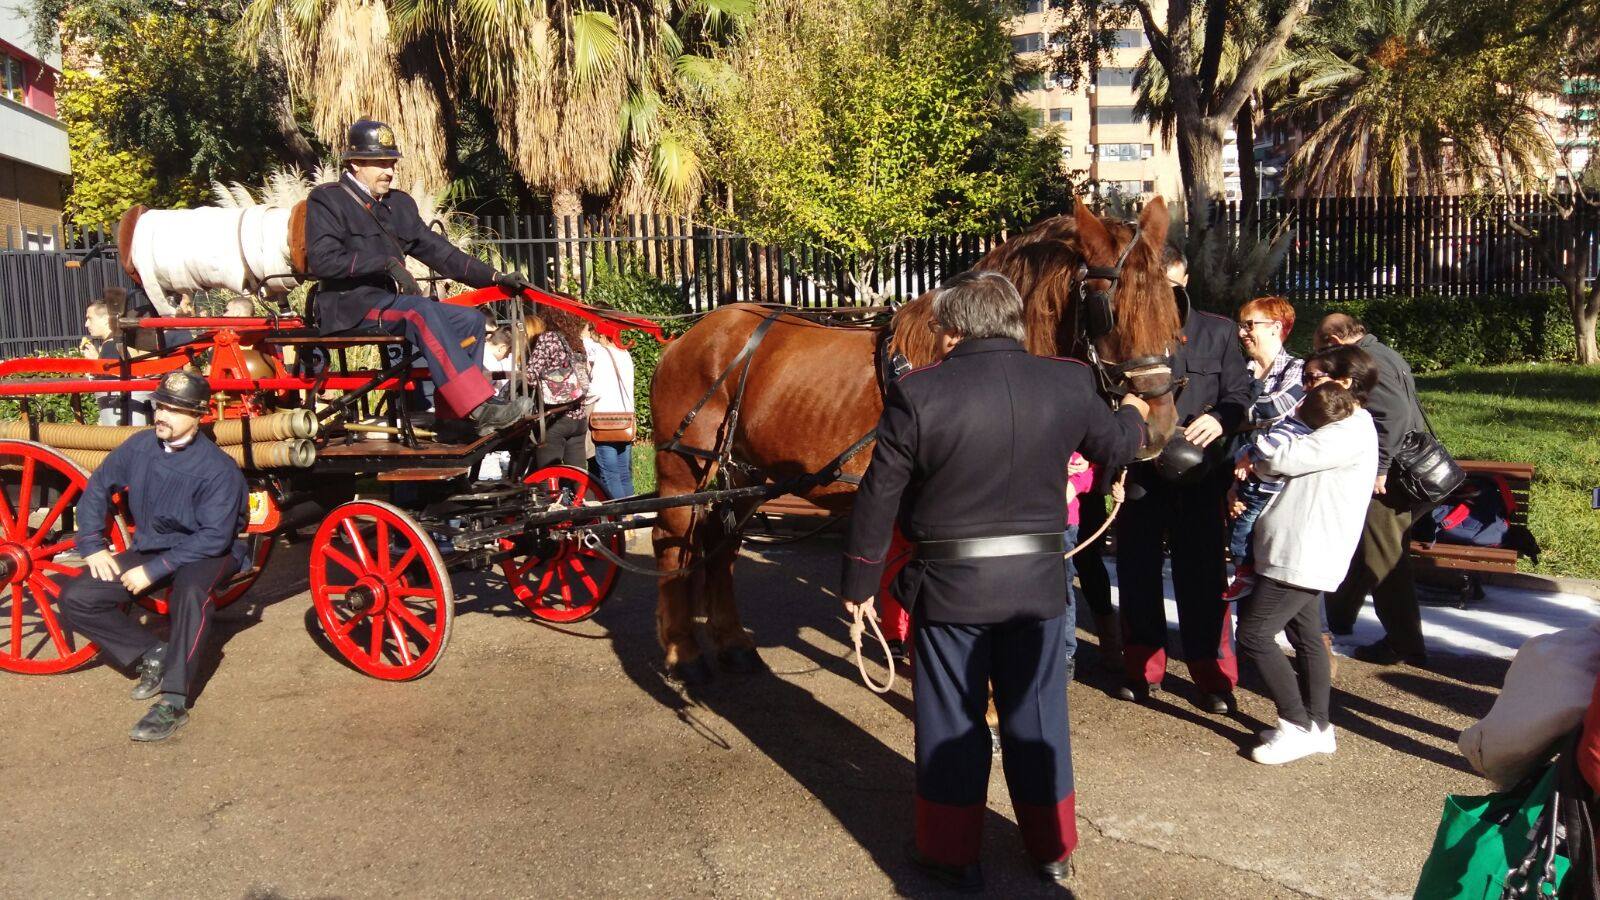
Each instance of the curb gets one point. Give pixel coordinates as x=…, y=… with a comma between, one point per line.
x=1582, y=587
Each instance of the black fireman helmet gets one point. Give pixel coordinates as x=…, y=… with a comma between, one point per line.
x=368, y=139
x=184, y=390
x=1181, y=462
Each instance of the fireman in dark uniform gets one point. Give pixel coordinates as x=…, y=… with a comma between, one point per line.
x=188, y=502
x=358, y=234
x=971, y=461
x=1177, y=502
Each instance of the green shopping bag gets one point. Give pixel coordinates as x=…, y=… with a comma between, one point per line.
x=1482, y=839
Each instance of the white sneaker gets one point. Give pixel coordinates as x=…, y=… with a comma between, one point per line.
x=1325, y=741
x=1288, y=743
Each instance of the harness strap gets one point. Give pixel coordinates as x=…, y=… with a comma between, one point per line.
x=745, y=355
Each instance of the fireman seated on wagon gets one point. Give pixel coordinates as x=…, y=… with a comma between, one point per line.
x=358, y=232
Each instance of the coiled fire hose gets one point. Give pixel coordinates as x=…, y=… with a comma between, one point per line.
x=863, y=618
x=290, y=424
x=293, y=454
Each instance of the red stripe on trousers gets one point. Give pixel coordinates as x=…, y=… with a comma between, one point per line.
x=462, y=391
x=949, y=835
x=1049, y=832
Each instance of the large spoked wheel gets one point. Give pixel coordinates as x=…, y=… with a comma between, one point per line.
x=560, y=579
x=381, y=591
x=39, y=489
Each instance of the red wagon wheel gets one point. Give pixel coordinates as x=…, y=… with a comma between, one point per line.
x=39, y=489
x=560, y=579
x=381, y=590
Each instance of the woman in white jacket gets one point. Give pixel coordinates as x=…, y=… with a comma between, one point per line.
x=1302, y=543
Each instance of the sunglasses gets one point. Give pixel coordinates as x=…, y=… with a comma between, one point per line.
x=1251, y=324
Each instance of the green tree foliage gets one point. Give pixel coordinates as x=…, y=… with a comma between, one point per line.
x=856, y=124
x=159, y=103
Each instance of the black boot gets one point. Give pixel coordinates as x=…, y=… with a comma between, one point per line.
x=965, y=879
x=160, y=722
x=150, y=668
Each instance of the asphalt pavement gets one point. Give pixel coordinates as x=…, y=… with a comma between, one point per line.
x=540, y=761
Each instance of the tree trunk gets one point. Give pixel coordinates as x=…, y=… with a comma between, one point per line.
x=1205, y=189
x=1585, y=316
x=566, y=204
x=1244, y=129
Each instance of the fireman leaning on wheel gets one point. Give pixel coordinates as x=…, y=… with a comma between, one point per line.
x=188, y=501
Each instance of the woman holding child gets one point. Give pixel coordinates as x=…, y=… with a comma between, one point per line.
x=1325, y=455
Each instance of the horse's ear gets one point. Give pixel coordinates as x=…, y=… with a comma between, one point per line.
x=1154, y=222
x=1092, y=232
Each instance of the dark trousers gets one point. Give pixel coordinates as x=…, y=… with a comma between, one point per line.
x=565, y=443
x=1382, y=567
x=1090, y=563
x=950, y=687
x=93, y=608
x=1190, y=522
x=1274, y=607
x=439, y=330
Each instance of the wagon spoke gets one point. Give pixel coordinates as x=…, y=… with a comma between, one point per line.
x=54, y=514
x=360, y=546
x=407, y=559
x=50, y=587
x=383, y=547
x=53, y=626
x=337, y=589
x=407, y=615
x=349, y=565
x=24, y=497
x=407, y=590
x=343, y=627
x=41, y=554
x=16, y=621
x=8, y=519
x=583, y=574
x=399, y=639
x=376, y=640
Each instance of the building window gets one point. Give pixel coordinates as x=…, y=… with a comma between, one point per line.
x=1034, y=117
x=1117, y=115
x=1129, y=188
x=1066, y=151
x=1026, y=43
x=1029, y=81
x=1120, y=152
x=1147, y=151
x=1114, y=76
x=1061, y=115
x=15, y=80
x=1127, y=38
x=1033, y=6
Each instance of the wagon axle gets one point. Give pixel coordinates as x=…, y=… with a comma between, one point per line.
x=16, y=563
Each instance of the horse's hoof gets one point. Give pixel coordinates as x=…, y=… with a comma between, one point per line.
x=742, y=661
x=693, y=673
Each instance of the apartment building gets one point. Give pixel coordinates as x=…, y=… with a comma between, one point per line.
x=34, y=166
x=1103, y=142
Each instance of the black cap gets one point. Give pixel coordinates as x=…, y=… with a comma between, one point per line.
x=184, y=390
x=1181, y=462
x=370, y=140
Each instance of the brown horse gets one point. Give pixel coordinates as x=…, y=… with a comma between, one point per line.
x=811, y=391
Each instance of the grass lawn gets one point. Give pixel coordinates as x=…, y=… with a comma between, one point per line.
x=1547, y=415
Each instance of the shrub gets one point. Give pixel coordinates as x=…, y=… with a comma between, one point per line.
x=1435, y=332
x=628, y=286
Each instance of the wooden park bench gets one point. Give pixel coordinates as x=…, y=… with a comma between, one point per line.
x=1460, y=567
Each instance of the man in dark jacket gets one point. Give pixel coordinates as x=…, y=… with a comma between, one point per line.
x=971, y=461
x=1382, y=564
x=188, y=504
x=358, y=234
x=1177, y=501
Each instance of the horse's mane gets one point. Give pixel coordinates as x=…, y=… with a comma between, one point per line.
x=1043, y=263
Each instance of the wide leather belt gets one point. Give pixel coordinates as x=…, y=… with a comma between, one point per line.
x=985, y=548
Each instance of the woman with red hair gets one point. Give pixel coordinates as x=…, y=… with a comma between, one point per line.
x=1264, y=324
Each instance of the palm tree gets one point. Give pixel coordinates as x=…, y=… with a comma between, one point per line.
x=580, y=94
x=1388, y=113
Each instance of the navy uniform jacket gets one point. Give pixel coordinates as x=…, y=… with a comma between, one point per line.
x=1219, y=382
x=187, y=505
x=349, y=254
x=977, y=446
x=1393, y=403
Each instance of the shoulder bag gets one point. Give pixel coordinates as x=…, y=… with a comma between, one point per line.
x=614, y=427
x=1424, y=468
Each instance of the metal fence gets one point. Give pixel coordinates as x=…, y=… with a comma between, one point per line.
x=1341, y=249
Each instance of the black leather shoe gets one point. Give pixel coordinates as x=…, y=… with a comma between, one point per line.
x=1383, y=653
x=1137, y=691
x=150, y=668
x=965, y=879
x=1220, y=704
x=159, y=723
x=900, y=653
x=1057, y=872
x=497, y=414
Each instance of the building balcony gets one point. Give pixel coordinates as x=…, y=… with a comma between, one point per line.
x=33, y=138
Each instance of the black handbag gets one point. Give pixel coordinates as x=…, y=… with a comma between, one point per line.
x=1425, y=469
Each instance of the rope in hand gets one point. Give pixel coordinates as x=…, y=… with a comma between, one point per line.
x=863, y=611
x=863, y=618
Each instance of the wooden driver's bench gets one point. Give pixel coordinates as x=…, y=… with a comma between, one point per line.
x=1467, y=558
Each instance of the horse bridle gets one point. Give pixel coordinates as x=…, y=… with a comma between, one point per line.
x=1095, y=312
